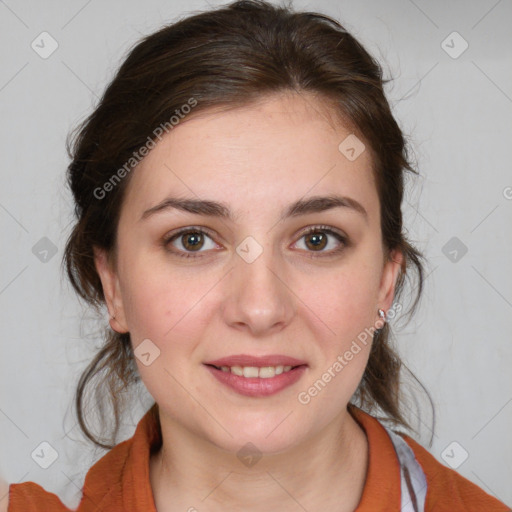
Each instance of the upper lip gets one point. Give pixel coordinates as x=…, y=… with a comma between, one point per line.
x=246, y=360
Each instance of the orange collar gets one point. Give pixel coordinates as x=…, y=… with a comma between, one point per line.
x=382, y=487
x=122, y=475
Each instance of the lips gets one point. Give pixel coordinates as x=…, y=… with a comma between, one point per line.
x=256, y=386
x=255, y=361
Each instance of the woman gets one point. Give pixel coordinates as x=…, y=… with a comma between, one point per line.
x=238, y=197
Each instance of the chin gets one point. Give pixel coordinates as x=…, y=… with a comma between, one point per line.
x=265, y=437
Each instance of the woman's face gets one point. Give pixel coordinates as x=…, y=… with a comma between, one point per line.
x=252, y=284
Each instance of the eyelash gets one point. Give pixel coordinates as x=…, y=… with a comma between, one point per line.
x=313, y=229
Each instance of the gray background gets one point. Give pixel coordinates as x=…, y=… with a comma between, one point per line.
x=457, y=114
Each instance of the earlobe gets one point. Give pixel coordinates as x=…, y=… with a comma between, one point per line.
x=111, y=290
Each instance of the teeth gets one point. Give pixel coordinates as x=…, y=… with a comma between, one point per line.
x=250, y=371
x=265, y=372
x=237, y=370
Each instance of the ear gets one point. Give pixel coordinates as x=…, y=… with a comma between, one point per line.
x=390, y=273
x=111, y=290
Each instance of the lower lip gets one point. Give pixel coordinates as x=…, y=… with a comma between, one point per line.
x=254, y=386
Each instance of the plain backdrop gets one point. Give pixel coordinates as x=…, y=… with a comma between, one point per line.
x=452, y=95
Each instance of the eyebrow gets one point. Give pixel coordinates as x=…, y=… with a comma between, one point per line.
x=210, y=208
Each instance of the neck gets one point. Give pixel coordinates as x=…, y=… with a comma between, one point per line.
x=328, y=471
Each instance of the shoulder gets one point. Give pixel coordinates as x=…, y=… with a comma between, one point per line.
x=101, y=486
x=447, y=489
x=120, y=475
x=101, y=482
x=31, y=496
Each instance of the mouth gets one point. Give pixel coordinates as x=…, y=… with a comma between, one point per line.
x=256, y=372
x=256, y=381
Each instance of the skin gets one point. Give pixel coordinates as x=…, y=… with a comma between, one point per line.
x=4, y=490
x=257, y=159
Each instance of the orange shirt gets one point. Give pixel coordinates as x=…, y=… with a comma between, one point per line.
x=119, y=481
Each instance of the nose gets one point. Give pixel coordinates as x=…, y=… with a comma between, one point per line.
x=258, y=297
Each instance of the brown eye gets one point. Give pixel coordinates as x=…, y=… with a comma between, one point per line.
x=318, y=238
x=188, y=241
x=192, y=240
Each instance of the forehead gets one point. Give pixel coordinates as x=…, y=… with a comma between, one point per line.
x=261, y=156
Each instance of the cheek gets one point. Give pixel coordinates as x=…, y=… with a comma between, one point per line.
x=348, y=301
x=146, y=307
x=151, y=299
x=162, y=303
x=347, y=309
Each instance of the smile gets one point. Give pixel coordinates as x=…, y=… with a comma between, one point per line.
x=264, y=372
x=255, y=381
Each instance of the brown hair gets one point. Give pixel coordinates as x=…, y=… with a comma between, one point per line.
x=224, y=58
